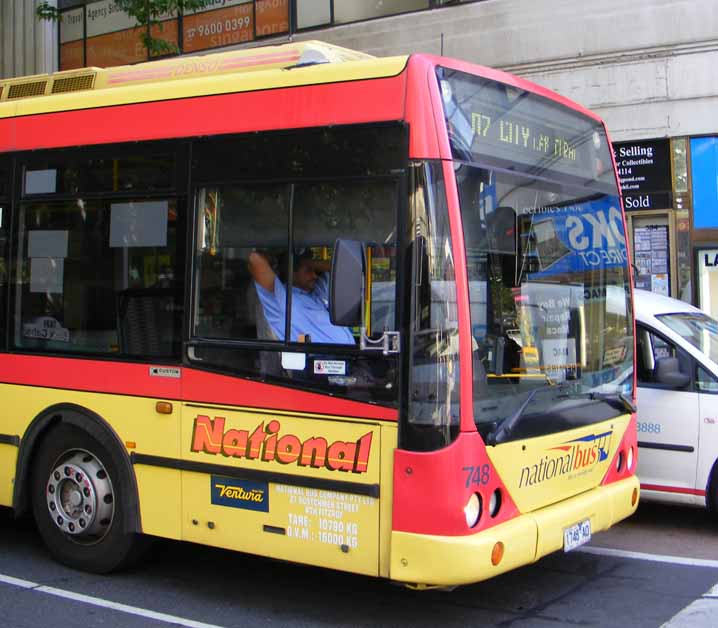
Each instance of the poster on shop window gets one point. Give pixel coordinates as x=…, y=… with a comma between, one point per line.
x=651, y=258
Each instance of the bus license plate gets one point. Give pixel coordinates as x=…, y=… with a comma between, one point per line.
x=576, y=535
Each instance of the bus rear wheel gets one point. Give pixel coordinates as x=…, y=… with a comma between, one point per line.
x=78, y=501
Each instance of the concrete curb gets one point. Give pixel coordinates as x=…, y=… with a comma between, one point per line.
x=703, y=613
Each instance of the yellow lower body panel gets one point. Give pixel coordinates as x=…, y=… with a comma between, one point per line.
x=8, y=458
x=449, y=561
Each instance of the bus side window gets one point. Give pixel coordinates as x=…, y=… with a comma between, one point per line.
x=355, y=210
x=90, y=286
x=100, y=263
x=235, y=221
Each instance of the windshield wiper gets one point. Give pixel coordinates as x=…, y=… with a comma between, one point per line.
x=504, y=429
x=616, y=399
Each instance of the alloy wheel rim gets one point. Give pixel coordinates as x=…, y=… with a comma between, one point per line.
x=80, y=497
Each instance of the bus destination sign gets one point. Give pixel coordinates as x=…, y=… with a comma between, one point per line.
x=523, y=135
x=498, y=125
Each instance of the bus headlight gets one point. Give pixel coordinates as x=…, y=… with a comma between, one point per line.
x=472, y=510
x=629, y=459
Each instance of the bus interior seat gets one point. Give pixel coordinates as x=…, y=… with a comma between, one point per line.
x=146, y=322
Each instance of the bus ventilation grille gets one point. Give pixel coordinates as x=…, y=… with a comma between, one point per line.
x=25, y=90
x=73, y=83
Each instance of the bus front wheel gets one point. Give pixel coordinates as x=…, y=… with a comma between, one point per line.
x=77, y=501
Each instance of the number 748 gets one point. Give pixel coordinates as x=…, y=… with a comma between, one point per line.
x=479, y=474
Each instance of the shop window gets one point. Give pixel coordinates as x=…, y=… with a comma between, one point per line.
x=352, y=11
x=704, y=165
x=312, y=13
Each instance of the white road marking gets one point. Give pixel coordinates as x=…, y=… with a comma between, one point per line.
x=702, y=613
x=97, y=601
x=16, y=582
x=190, y=623
x=658, y=558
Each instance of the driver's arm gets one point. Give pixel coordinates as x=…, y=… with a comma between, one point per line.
x=261, y=270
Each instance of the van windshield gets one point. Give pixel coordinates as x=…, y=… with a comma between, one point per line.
x=697, y=328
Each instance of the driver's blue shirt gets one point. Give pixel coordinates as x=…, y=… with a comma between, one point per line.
x=310, y=312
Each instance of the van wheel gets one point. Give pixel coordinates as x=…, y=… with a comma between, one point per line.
x=712, y=491
x=78, y=502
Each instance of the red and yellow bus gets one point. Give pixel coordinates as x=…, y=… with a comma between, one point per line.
x=480, y=417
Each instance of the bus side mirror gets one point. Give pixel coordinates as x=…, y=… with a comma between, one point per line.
x=668, y=372
x=346, y=290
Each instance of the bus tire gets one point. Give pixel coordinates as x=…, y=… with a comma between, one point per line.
x=78, y=498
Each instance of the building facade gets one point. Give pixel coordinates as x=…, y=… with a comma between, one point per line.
x=647, y=67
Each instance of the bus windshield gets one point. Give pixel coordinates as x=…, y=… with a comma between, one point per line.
x=547, y=260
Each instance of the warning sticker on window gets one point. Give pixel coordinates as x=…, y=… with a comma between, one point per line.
x=330, y=367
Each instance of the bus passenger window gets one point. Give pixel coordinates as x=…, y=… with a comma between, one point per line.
x=98, y=277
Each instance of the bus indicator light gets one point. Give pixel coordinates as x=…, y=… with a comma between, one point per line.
x=497, y=553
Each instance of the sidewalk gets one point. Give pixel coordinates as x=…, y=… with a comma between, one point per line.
x=703, y=613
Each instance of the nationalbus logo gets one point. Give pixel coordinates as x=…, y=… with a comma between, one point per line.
x=571, y=458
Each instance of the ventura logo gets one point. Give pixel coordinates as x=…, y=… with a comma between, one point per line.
x=237, y=493
x=572, y=457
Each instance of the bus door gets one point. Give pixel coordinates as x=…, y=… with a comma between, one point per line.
x=282, y=451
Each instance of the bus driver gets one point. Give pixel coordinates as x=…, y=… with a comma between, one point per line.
x=310, y=299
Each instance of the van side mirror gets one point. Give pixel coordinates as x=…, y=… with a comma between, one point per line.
x=668, y=372
x=346, y=290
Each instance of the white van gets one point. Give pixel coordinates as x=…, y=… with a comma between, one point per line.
x=677, y=373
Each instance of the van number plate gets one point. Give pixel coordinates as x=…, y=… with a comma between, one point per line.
x=576, y=535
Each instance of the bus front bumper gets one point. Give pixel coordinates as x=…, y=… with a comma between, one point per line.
x=422, y=559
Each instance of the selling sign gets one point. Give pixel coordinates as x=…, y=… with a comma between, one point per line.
x=644, y=169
